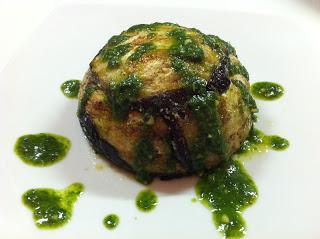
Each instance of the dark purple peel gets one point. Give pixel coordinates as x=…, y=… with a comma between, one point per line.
x=219, y=80
x=170, y=106
x=179, y=143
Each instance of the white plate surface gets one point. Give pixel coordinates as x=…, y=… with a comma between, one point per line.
x=273, y=48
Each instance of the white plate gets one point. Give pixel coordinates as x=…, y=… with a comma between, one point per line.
x=272, y=48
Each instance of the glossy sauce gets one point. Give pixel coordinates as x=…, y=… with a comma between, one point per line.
x=146, y=200
x=52, y=208
x=42, y=149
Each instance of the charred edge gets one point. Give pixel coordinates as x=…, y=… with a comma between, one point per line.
x=170, y=105
x=219, y=80
x=101, y=146
x=179, y=142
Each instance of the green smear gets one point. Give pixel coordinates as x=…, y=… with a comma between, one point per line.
x=185, y=47
x=221, y=46
x=114, y=55
x=42, y=149
x=146, y=200
x=111, y=221
x=210, y=138
x=247, y=98
x=121, y=95
x=227, y=192
x=238, y=69
x=267, y=90
x=144, y=155
x=144, y=48
x=52, y=208
x=257, y=141
x=70, y=88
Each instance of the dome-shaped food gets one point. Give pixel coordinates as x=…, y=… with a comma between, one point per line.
x=164, y=100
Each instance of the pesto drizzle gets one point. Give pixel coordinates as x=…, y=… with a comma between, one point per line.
x=185, y=47
x=210, y=138
x=144, y=48
x=70, y=88
x=121, y=95
x=146, y=200
x=144, y=156
x=111, y=221
x=227, y=192
x=52, y=208
x=221, y=46
x=42, y=149
x=235, y=69
x=267, y=90
x=113, y=55
x=257, y=141
x=246, y=96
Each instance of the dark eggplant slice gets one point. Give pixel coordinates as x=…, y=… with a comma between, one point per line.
x=219, y=80
x=179, y=143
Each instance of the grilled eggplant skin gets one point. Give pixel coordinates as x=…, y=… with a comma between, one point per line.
x=161, y=100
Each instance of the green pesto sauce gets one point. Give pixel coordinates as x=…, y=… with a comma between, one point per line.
x=227, y=192
x=42, y=149
x=121, y=95
x=144, y=156
x=246, y=96
x=113, y=55
x=235, y=69
x=146, y=200
x=185, y=47
x=257, y=141
x=144, y=48
x=111, y=221
x=142, y=27
x=86, y=96
x=52, y=208
x=70, y=88
x=149, y=27
x=117, y=39
x=267, y=90
x=190, y=80
x=219, y=45
x=210, y=138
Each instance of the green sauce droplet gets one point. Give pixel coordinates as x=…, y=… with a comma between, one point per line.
x=146, y=200
x=111, y=221
x=227, y=191
x=267, y=90
x=257, y=141
x=42, y=149
x=70, y=88
x=121, y=95
x=52, y=208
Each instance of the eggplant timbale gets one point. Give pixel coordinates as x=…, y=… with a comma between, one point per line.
x=162, y=100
